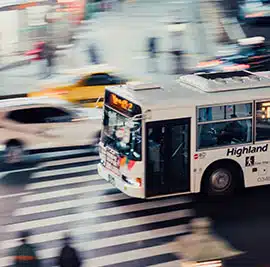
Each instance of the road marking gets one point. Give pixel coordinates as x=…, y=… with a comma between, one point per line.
x=47, y=155
x=41, y=174
x=68, y=204
x=46, y=164
x=119, y=240
x=131, y=255
x=64, y=192
x=68, y=161
x=14, y=195
x=102, y=227
x=88, y=215
x=65, y=181
x=135, y=221
x=167, y=264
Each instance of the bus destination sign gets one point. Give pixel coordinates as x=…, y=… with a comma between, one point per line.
x=121, y=104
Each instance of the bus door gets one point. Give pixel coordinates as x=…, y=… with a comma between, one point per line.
x=167, y=157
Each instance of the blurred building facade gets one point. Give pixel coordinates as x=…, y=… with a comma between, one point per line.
x=24, y=23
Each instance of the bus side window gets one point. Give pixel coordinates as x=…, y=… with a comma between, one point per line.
x=233, y=132
x=225, y=133
x=207, y=136
x=263, y=121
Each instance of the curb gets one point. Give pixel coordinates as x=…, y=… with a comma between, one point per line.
x=15, y=64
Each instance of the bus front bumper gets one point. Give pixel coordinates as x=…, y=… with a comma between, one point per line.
x=119, y=183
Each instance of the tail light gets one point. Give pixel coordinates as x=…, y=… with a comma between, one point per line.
x=210, y=63
x=237, y=67
x=254, y=15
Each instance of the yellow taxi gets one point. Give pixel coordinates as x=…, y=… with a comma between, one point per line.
x=84, y=86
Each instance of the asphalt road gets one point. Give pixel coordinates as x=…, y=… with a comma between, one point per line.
x=243, y=221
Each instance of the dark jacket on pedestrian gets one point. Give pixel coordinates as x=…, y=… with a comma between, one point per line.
x=49, y=53
x=152, y=47
x=68, y=256
x=25, y=256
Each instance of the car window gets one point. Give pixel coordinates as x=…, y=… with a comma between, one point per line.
x=98, y=79
x=40, y=115
x=117, y=80
x=28, y=115
x=54, y=115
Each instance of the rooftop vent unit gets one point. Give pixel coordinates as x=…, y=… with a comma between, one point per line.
x=139, y=86
x=226, y=81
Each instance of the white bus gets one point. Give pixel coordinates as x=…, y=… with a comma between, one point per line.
x=206, y=133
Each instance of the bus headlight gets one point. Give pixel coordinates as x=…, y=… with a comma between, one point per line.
x=216, y=263
x=137, y=182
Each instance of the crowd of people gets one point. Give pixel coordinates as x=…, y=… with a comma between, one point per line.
x=25, y=254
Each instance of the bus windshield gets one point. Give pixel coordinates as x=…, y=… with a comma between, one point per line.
x=121, y=134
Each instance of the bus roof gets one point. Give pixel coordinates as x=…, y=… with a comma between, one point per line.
x=198, y=89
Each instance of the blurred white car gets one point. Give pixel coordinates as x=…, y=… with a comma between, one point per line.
x=42, y=122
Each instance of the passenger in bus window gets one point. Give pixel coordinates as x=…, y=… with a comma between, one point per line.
x=232, y=132
x=207, y=136
x=155, y=148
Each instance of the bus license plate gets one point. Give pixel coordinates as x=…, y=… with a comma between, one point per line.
x=111, y=180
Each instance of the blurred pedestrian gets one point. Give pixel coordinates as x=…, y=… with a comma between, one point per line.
x=178, y=61
x=69, y=257
x=94, y=59
x=177, y=53
x=152, y=54
x=24, y=255
x=49, y=54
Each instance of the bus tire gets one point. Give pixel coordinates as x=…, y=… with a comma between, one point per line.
x=221, y=179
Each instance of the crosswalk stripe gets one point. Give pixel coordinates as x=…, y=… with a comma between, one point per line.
x=102, y=227
x=65, y=192
x=67, y=161
x=68, y=204
x=13, y=195
x=71, y=152
x=65, y=181
x=134, y=237
x=130, y=255
x=88, y=215
x=167, y=264
x=109, y=226
x=41, y=174
x=118, y=240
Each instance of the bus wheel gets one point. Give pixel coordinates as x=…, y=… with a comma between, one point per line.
x=220, y=180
